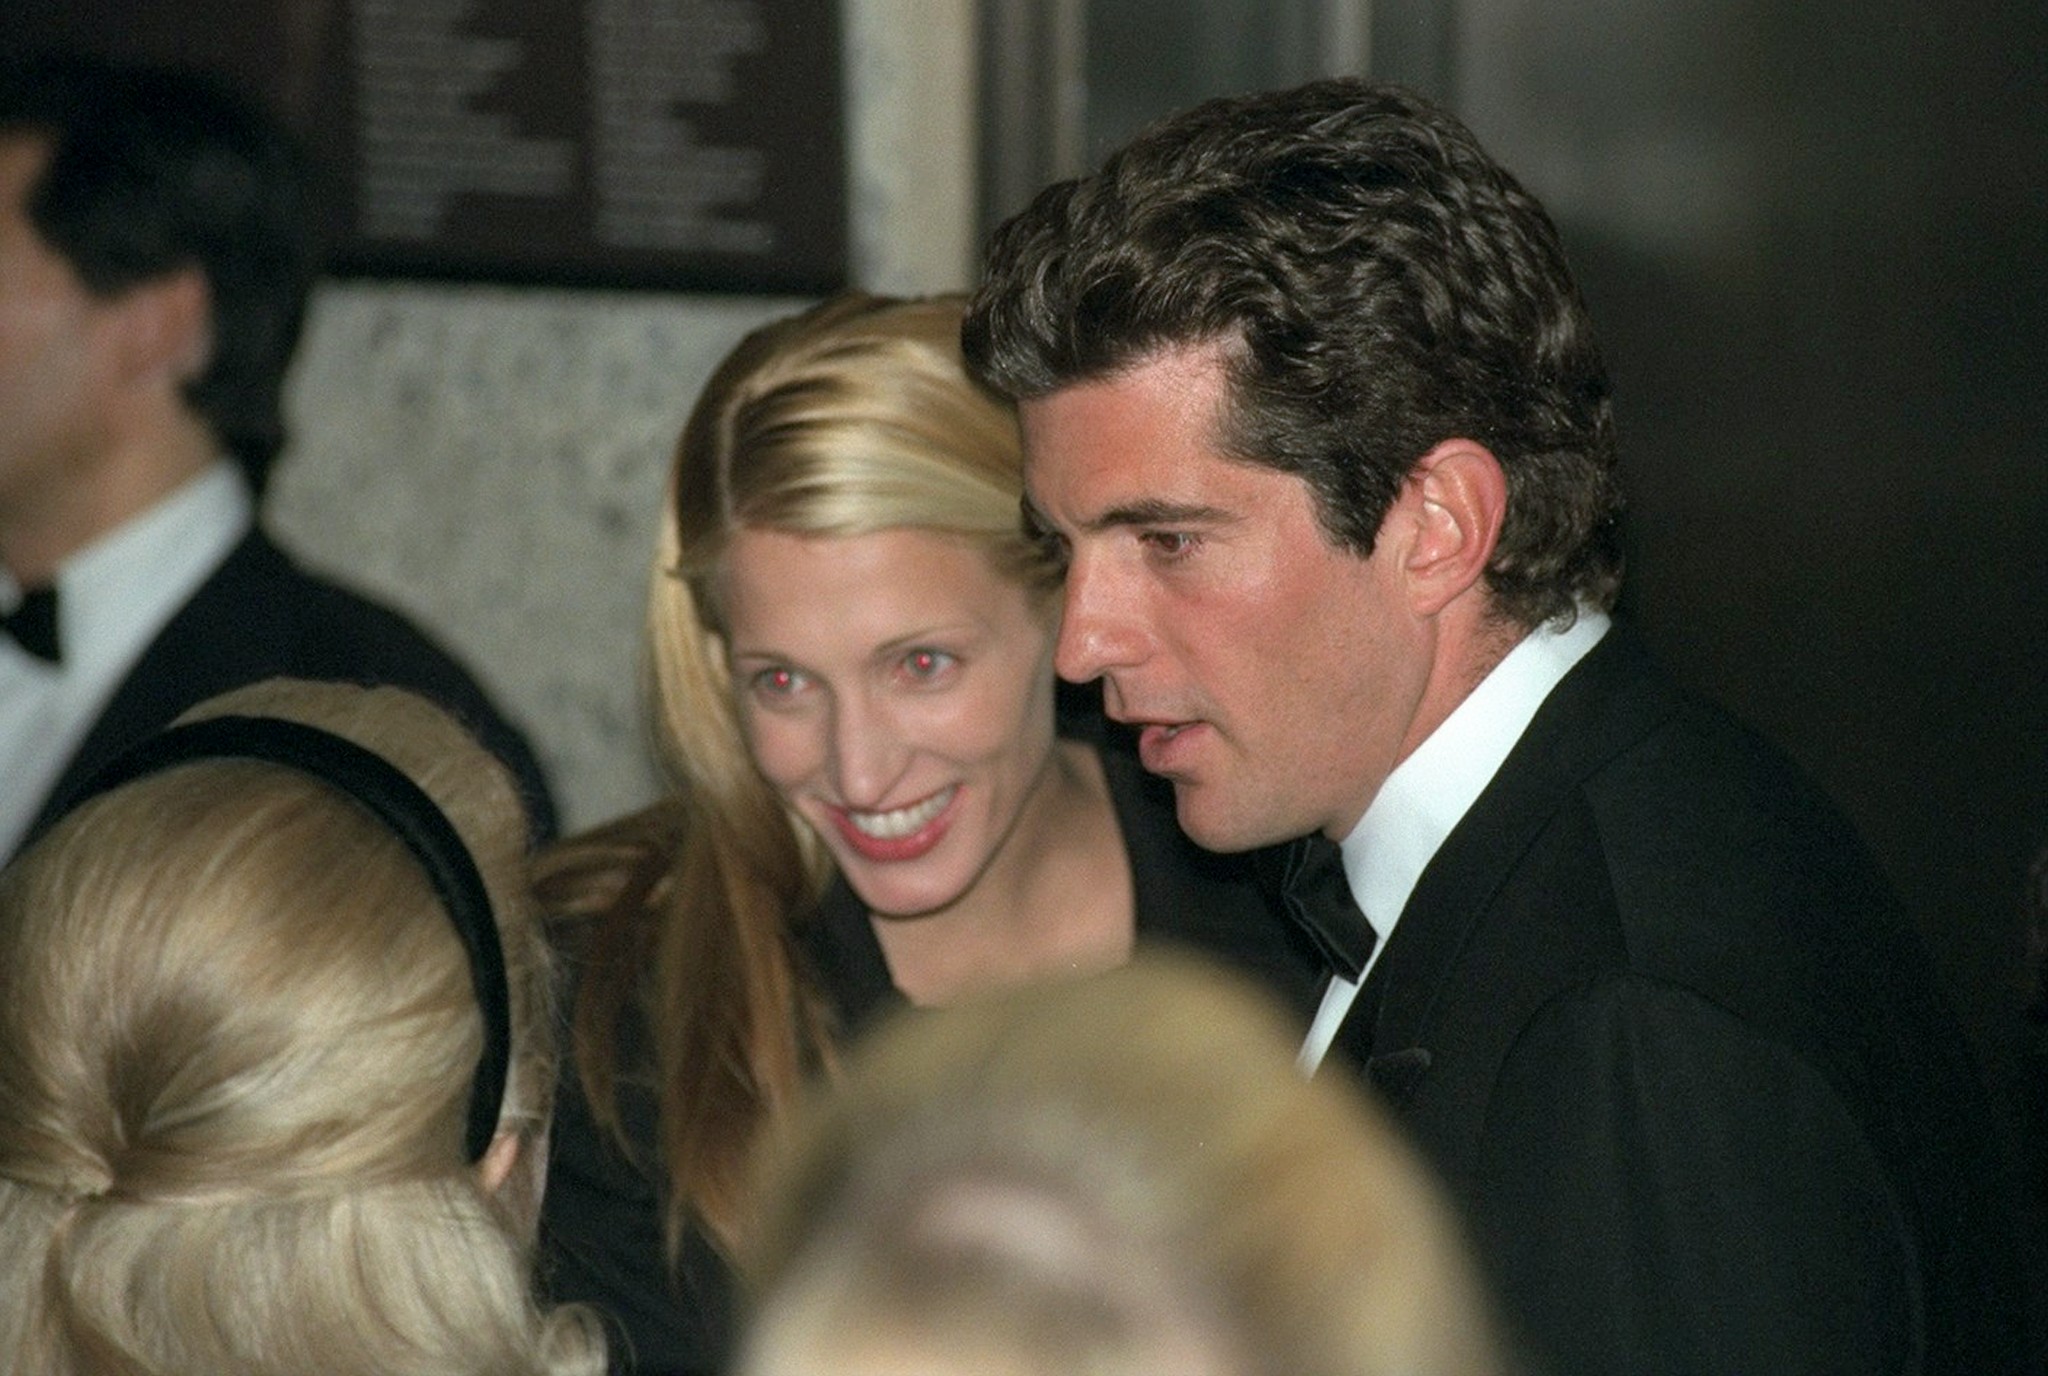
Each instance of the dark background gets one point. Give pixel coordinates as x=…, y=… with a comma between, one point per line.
x=1815, y=238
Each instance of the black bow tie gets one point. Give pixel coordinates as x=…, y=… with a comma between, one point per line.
x=1317, y=895
x=33, y=624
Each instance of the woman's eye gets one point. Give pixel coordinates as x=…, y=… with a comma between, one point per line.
x=778, y=683
x=925, y=665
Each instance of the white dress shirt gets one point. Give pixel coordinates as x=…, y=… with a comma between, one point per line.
x=113, y=597
x=1430, y=792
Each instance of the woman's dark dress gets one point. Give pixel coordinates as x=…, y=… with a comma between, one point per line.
x=601, y=1222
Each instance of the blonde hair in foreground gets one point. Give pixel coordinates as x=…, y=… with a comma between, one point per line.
x=237, y=1034
x=1117, y=1176
x=852, y=417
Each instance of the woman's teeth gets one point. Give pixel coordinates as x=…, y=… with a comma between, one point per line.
x=903, y=821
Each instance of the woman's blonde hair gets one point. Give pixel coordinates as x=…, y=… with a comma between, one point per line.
x=237, y=1037
x=1117, y=1176
x=853, y=417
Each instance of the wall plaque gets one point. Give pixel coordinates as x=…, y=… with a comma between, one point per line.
x=681, y=144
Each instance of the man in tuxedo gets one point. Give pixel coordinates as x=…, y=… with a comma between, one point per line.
x=155, y=262
x=1313, y=406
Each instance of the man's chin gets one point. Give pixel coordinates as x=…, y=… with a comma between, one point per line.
x=1212, y=828
x=1216, y=823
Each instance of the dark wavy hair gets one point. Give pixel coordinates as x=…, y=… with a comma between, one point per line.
x=153, y=171
x=1379, y=284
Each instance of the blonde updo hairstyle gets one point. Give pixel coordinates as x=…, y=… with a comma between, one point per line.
x=237, y=1039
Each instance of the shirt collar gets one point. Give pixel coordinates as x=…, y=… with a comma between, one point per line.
x=1430, y=792
x=121, y=588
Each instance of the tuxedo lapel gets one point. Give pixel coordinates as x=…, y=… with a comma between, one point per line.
x=1398, y=1074
x=197, y=652
x=260, y=616
x=1608, y=702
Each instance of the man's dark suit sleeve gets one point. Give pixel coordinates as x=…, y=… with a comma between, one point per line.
x=259, y=615
x=1661, y=1226
x=1686, y=1065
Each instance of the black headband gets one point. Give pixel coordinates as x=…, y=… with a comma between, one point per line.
x=403, y=807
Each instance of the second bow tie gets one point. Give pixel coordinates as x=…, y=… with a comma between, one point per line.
x=33, y=624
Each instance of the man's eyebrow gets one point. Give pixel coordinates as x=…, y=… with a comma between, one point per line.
x=1157, y=511
x=1147, y=511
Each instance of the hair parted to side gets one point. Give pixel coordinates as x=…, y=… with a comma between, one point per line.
x=853, y=417
x=153, y=171
x=1379, y=285
x=237, y=1035
x=1123, y=1176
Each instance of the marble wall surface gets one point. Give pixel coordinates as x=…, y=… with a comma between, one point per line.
x=492, y=462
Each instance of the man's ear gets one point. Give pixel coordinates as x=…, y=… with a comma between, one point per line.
x=166, y=329
x=1457, y=497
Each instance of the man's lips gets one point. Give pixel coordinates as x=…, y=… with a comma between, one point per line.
x=902, y=833
x=1163, y=744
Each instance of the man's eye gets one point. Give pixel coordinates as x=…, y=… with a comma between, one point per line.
x=1171, y=544
x=926, y=665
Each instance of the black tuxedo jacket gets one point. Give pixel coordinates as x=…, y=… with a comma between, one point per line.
x=1664, y=1031
x=259, y=616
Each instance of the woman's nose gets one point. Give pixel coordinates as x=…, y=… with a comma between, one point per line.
x=869, y=751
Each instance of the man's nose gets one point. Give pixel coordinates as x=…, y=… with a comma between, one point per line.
x=1100, y=630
